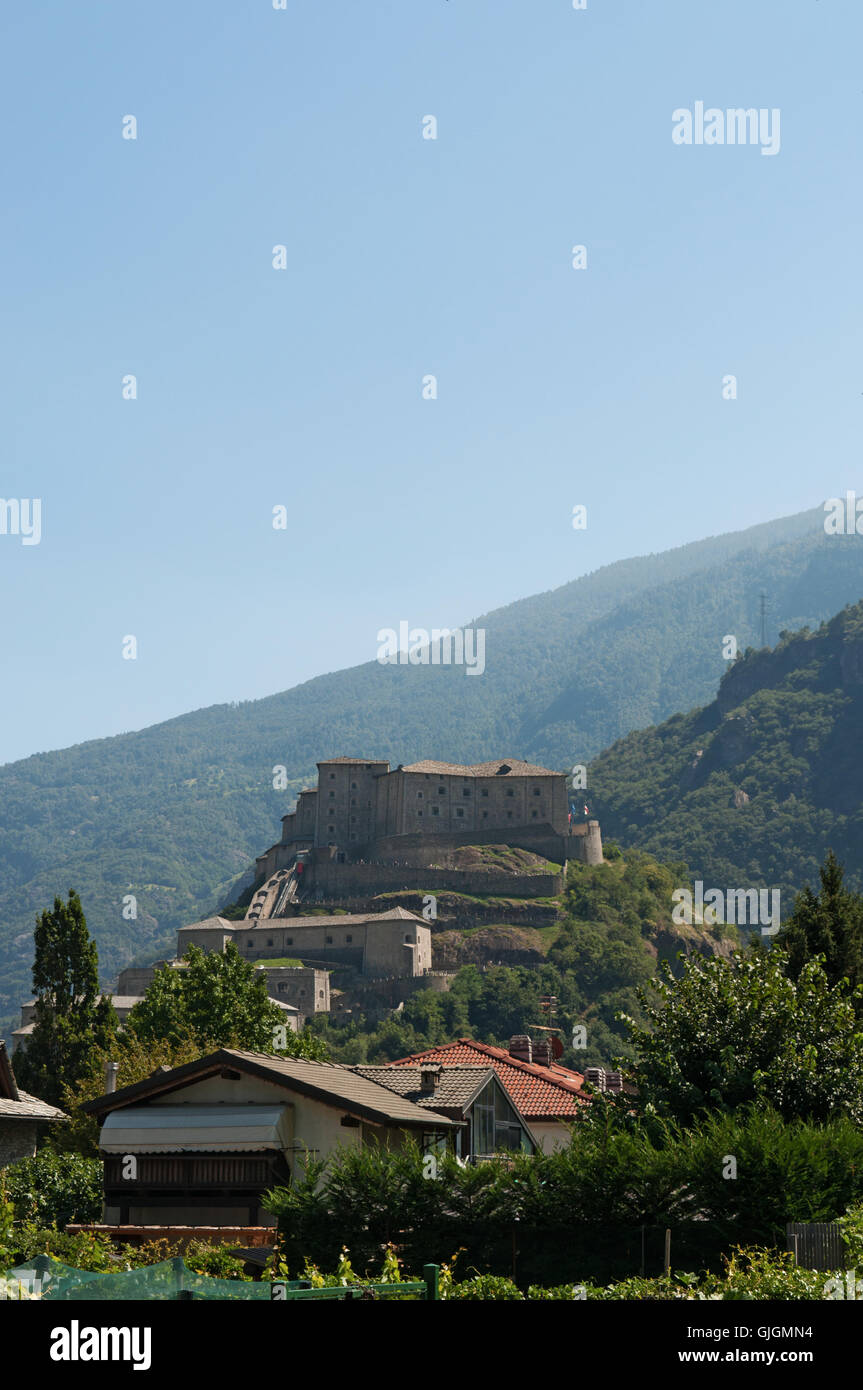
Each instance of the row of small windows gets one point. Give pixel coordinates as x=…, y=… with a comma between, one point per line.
x=459, y=812
x=441, y=791
x=289, y=941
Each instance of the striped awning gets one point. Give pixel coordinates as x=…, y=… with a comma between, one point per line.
x=182, y=1128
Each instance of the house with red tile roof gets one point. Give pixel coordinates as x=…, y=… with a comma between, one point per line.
x=549, y=1096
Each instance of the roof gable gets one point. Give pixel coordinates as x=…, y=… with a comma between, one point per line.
x=539, y=1092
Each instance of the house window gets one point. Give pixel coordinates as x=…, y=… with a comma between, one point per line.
x=353, y=801
x=419, y=815
x=441, y=791
x=320, y=994
x=333, y=796
x=407, y=940
x=536, y=791
x=510, y=792
x=485, y=815
x=269, y=941
x=331, y=829
x=353, y=786
x=435, y=810
x=332, y=777
x=534, y=814
x=459, y=811
x=509, y=815
x=329, y=941
x=249, y=943
x=349, y=938
x=465, y=791
x=419, y=796
x=484, y=791
x=289, y=941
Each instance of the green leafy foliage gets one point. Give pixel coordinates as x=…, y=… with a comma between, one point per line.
x=585, y=1212
x=732, y=1033
x=53, y=1189
x=217, y=998
x=71, y=1020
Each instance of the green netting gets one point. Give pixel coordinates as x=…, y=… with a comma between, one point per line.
x=171, y=1279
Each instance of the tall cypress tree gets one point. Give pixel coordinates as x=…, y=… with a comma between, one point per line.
x=827, y=923
x=71, y=1020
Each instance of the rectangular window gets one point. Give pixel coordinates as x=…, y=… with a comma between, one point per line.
x=459, y=811
x=329, y=941
x=484, y=791
x=435, y=810
x=465, y=791
x=349, y=938
x=536, y=791
x=510, y=791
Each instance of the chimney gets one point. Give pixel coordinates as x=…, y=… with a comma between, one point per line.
x=111, y=1069
x=595, y=1076
x=542, y=1054
x=520, y=1048
x=430, y=1076
x=613, y=1081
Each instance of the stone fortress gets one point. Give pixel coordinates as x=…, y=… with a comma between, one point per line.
x=367, y=830
x=364, y=811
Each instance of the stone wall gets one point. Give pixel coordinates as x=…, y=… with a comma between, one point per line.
x=17, y=1140
x=356, y=880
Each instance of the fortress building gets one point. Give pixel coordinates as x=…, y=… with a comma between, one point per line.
x=363, y=810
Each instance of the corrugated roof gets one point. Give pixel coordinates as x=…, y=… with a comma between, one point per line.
x=539, y=1092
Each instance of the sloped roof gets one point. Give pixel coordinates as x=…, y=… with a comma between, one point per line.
x=16, y=1104
x=455, y=1090
x=539, y=1092
x=325, y=1081
x=214, y=923
x=347, y=919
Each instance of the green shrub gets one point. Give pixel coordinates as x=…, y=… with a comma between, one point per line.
x=53, y=1189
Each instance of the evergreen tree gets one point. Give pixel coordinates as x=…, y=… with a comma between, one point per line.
x=828, y=923
x=71, y=1019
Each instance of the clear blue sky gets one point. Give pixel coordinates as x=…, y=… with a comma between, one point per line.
x=405, y=257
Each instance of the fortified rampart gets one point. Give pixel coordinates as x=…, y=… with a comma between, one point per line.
x=342, y=881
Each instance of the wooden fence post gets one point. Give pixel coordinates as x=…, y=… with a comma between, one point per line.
x=430, y=1274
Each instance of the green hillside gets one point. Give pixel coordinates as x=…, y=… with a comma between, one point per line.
x=754, y=788
x=174, y=814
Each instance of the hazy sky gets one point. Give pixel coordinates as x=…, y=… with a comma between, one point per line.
x=406, y=257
